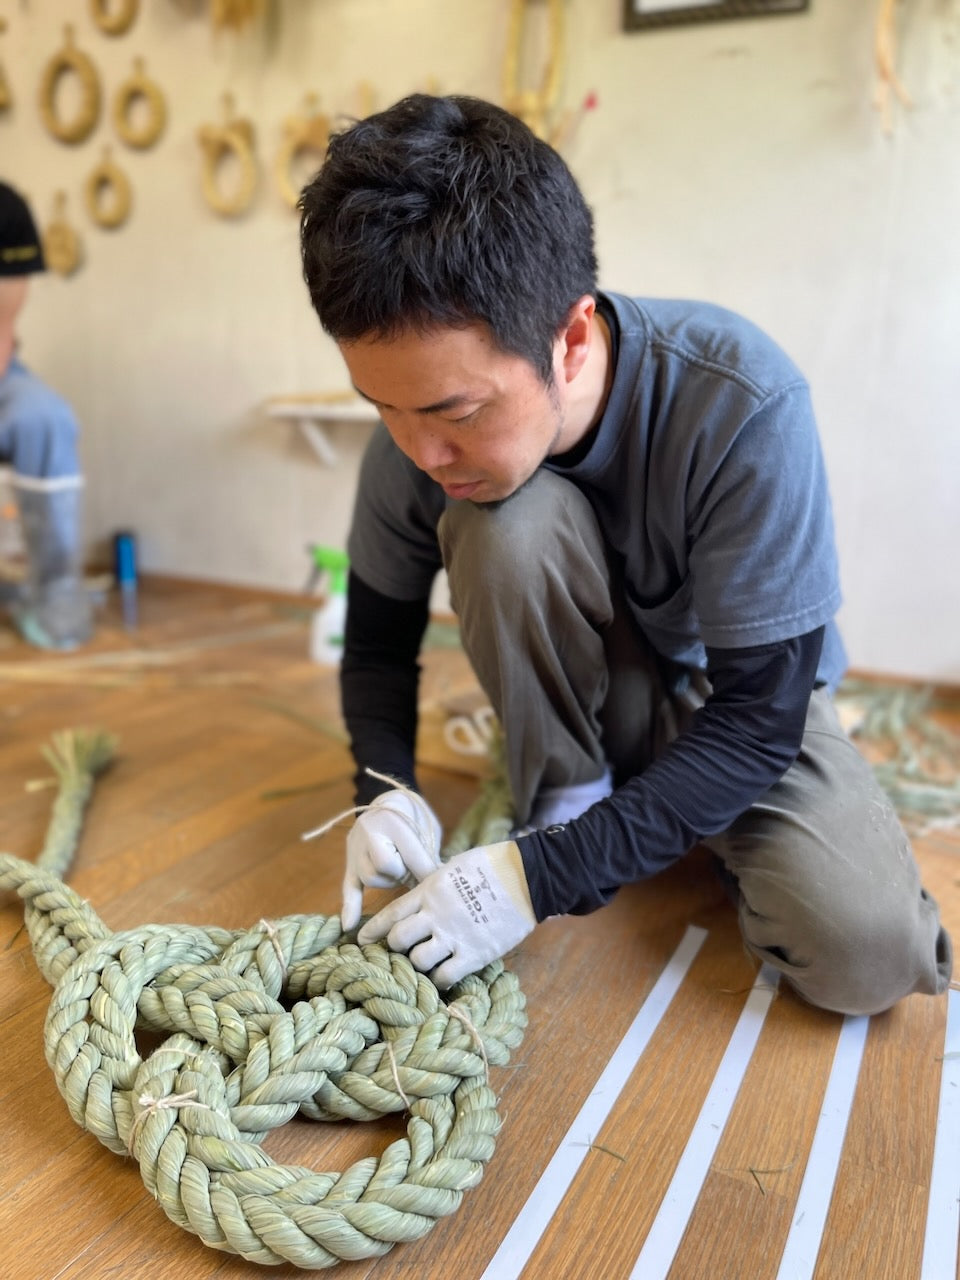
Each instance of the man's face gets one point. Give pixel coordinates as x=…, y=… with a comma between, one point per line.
x=13, y=292
x=478, y=421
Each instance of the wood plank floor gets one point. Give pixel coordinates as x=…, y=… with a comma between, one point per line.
x=230, y=748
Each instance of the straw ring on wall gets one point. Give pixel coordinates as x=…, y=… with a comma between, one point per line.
x=108, y=177
x=6, y=97
x=309, y=132
x=115, y=18
x=61, y=243
x=70, y=59
x=139, y=85
x=234, y=138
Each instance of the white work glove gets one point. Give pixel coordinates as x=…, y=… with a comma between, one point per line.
x=394, y=841
x=469, y=912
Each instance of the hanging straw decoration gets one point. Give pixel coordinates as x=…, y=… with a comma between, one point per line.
x=889, y=84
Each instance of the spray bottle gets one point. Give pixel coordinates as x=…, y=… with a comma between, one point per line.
x=328, y=622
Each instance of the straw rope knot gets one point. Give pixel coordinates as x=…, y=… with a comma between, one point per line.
x=260, y=1024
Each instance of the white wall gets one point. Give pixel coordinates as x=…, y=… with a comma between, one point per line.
x=740, y=162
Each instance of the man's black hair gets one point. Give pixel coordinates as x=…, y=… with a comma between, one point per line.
x=445, y=212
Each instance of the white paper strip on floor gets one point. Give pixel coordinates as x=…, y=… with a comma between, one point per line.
x=943, y=1207
x=663, y=1239
x=534, y=1218
x=816, y=1191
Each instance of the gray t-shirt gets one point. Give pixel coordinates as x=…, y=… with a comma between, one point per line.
x=706, y=476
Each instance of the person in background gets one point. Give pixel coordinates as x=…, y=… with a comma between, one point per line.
x=38, y=439
x=629, y=498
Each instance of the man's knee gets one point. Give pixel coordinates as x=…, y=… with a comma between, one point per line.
x=830, y=890
x=547, y=525
x=857, y=957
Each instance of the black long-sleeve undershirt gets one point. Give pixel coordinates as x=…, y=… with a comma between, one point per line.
x=379, y=677
x=739, y=744
x=742, y=741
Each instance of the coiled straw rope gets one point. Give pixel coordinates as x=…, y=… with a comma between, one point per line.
x=290, y=1015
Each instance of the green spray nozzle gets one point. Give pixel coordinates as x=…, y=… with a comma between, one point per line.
x=333, y=563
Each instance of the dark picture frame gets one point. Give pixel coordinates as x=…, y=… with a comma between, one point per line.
x=642, y=15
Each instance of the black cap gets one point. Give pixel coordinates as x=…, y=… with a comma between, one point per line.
x=21, y=252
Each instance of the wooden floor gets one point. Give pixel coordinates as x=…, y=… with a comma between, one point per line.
x=229, y=750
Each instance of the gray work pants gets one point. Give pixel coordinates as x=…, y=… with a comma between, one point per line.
x=828, y=890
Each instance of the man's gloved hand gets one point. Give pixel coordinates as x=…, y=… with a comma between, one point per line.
x=394, y=841
x=470, y=911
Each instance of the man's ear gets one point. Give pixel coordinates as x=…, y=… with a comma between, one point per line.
x=573, y=342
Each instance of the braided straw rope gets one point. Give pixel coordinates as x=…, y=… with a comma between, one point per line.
x=287, y=1016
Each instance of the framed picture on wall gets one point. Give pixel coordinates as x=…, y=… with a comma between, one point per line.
x=639, y=15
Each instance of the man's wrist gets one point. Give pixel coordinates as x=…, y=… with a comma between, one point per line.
x=507, y=865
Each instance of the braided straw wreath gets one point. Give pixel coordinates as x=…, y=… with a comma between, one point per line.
x=305, y=134
x=6, y=97
x=114, y=17
x=62, y=250
x=139, y=85
x=233, y=138
x=70, y=59
x=287, y=1016
x=108, y=180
